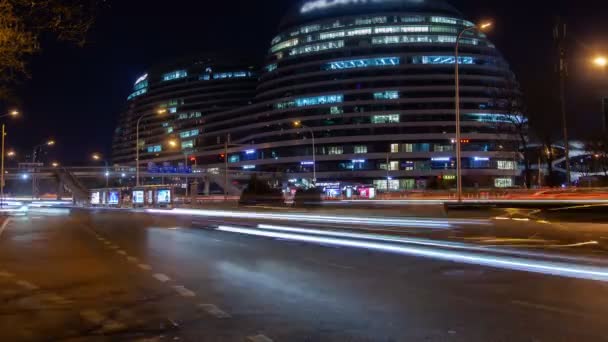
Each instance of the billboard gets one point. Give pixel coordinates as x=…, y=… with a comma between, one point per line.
x=138, y=197
x=95, y=197
x=113, y=197
x=163, y=196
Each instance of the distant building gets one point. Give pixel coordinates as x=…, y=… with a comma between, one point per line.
x=374, y=82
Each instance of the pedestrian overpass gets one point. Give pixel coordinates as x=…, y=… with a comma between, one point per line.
x=76, y=181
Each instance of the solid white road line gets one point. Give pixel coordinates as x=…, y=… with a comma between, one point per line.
x=27, y=285
x=144, y=267
x=6, y=222
x=259, y=338
x=214, y=311
x=161, y=277
x=184, y=292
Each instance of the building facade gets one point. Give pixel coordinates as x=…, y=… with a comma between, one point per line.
x=373, y=81
x=172, y=102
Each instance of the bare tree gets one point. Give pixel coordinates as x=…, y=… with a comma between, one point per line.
x=24, y=22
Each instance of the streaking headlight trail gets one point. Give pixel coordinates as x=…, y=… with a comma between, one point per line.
x=510, y=263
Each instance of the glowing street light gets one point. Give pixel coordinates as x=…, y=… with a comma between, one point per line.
x=55, y=164
x=173, y=143
x=50, y=143
x=11, y=154
x=601, y=61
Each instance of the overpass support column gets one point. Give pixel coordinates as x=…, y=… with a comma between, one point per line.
x=60, y=189
x=207, y=185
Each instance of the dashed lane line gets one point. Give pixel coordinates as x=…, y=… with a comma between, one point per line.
x=161, y=277
x=184, y=292
x=144, y=267
x=121, y=252
x=5, y=274
x=259, y=338
x=132, y=259
x=214, y=311
x=27, y=285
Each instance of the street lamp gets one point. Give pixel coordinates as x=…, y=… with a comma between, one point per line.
x=481, y=27
x=12, y=113
x=298, y=124
x=159, y=111
x=601, y=61
x=55, y=164
x=98, y=157
x=49, y=143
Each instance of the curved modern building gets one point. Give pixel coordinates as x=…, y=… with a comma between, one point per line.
x=171, y=103
x=373, y=81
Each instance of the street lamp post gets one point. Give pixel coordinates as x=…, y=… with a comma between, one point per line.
x=314, y=154
x=457, y=105
x=98, y=157
x=159, y=112
x=11, y=113
x=34, y=152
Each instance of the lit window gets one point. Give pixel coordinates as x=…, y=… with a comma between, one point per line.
x=137, y=93
x=387, y=95
x=362, y=63
x=155, y=149
x=317, y=47
x=506, y=165
x=401, y=29
x=235, y=158
x=169, y=130
x=503, y=182
x=271, y=67
x=444, y=20
x=318, y=100
x=359, y=32
x=394, y=148
x=381, y=119
x=187, y=144
x=335, y=150
x=232, y=74
x=284, y=45
x=334, y=110
x=174, y=75
x=409, y=148
x=188, y=134
x=360, y=149
x=393, y=166
x=141, y=85
x=442, y=60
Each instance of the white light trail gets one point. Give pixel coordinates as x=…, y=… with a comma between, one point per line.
x=392, y=222
x=518, y=264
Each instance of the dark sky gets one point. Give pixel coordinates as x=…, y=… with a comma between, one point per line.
x=76, y=94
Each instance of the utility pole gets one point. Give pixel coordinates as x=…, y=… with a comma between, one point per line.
x=559, y=34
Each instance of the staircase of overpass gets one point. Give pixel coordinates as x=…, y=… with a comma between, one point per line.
x=80, y=193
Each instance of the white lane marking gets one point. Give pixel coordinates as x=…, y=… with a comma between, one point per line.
x=259, y=338
x=344, y=267
x=114, y=247
x=112, y=326
x=6, y=222
x=214, y=311
x=161, y=277
x=547, y=308
x=144, y=267
x=184, y=292
x=5, y=274
x=121, y=252
x=132, y=259
x=27, y=285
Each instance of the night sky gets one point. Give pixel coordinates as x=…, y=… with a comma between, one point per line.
x=76, y=94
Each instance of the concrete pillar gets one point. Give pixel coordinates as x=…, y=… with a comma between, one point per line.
x=60, y=187
x=207, y=185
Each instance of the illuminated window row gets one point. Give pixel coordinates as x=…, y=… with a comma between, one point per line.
x=378, y=21
x=317, y=47
x=187, y=144
x=271, y=67
x=174, y=75
x=311, y=101
x=284, y=45
x=154, y=149
x=387, y=95
x=188, y=134
x=390, y=118
x=362, y=63
x=191, y=115
x=495, y=118
x=421, y=39
x=137, y=93
x=442, y=60
x=141, y=85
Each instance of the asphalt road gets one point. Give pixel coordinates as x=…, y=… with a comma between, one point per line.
x=120, y=276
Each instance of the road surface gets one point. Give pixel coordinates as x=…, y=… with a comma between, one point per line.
x=109, y=275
